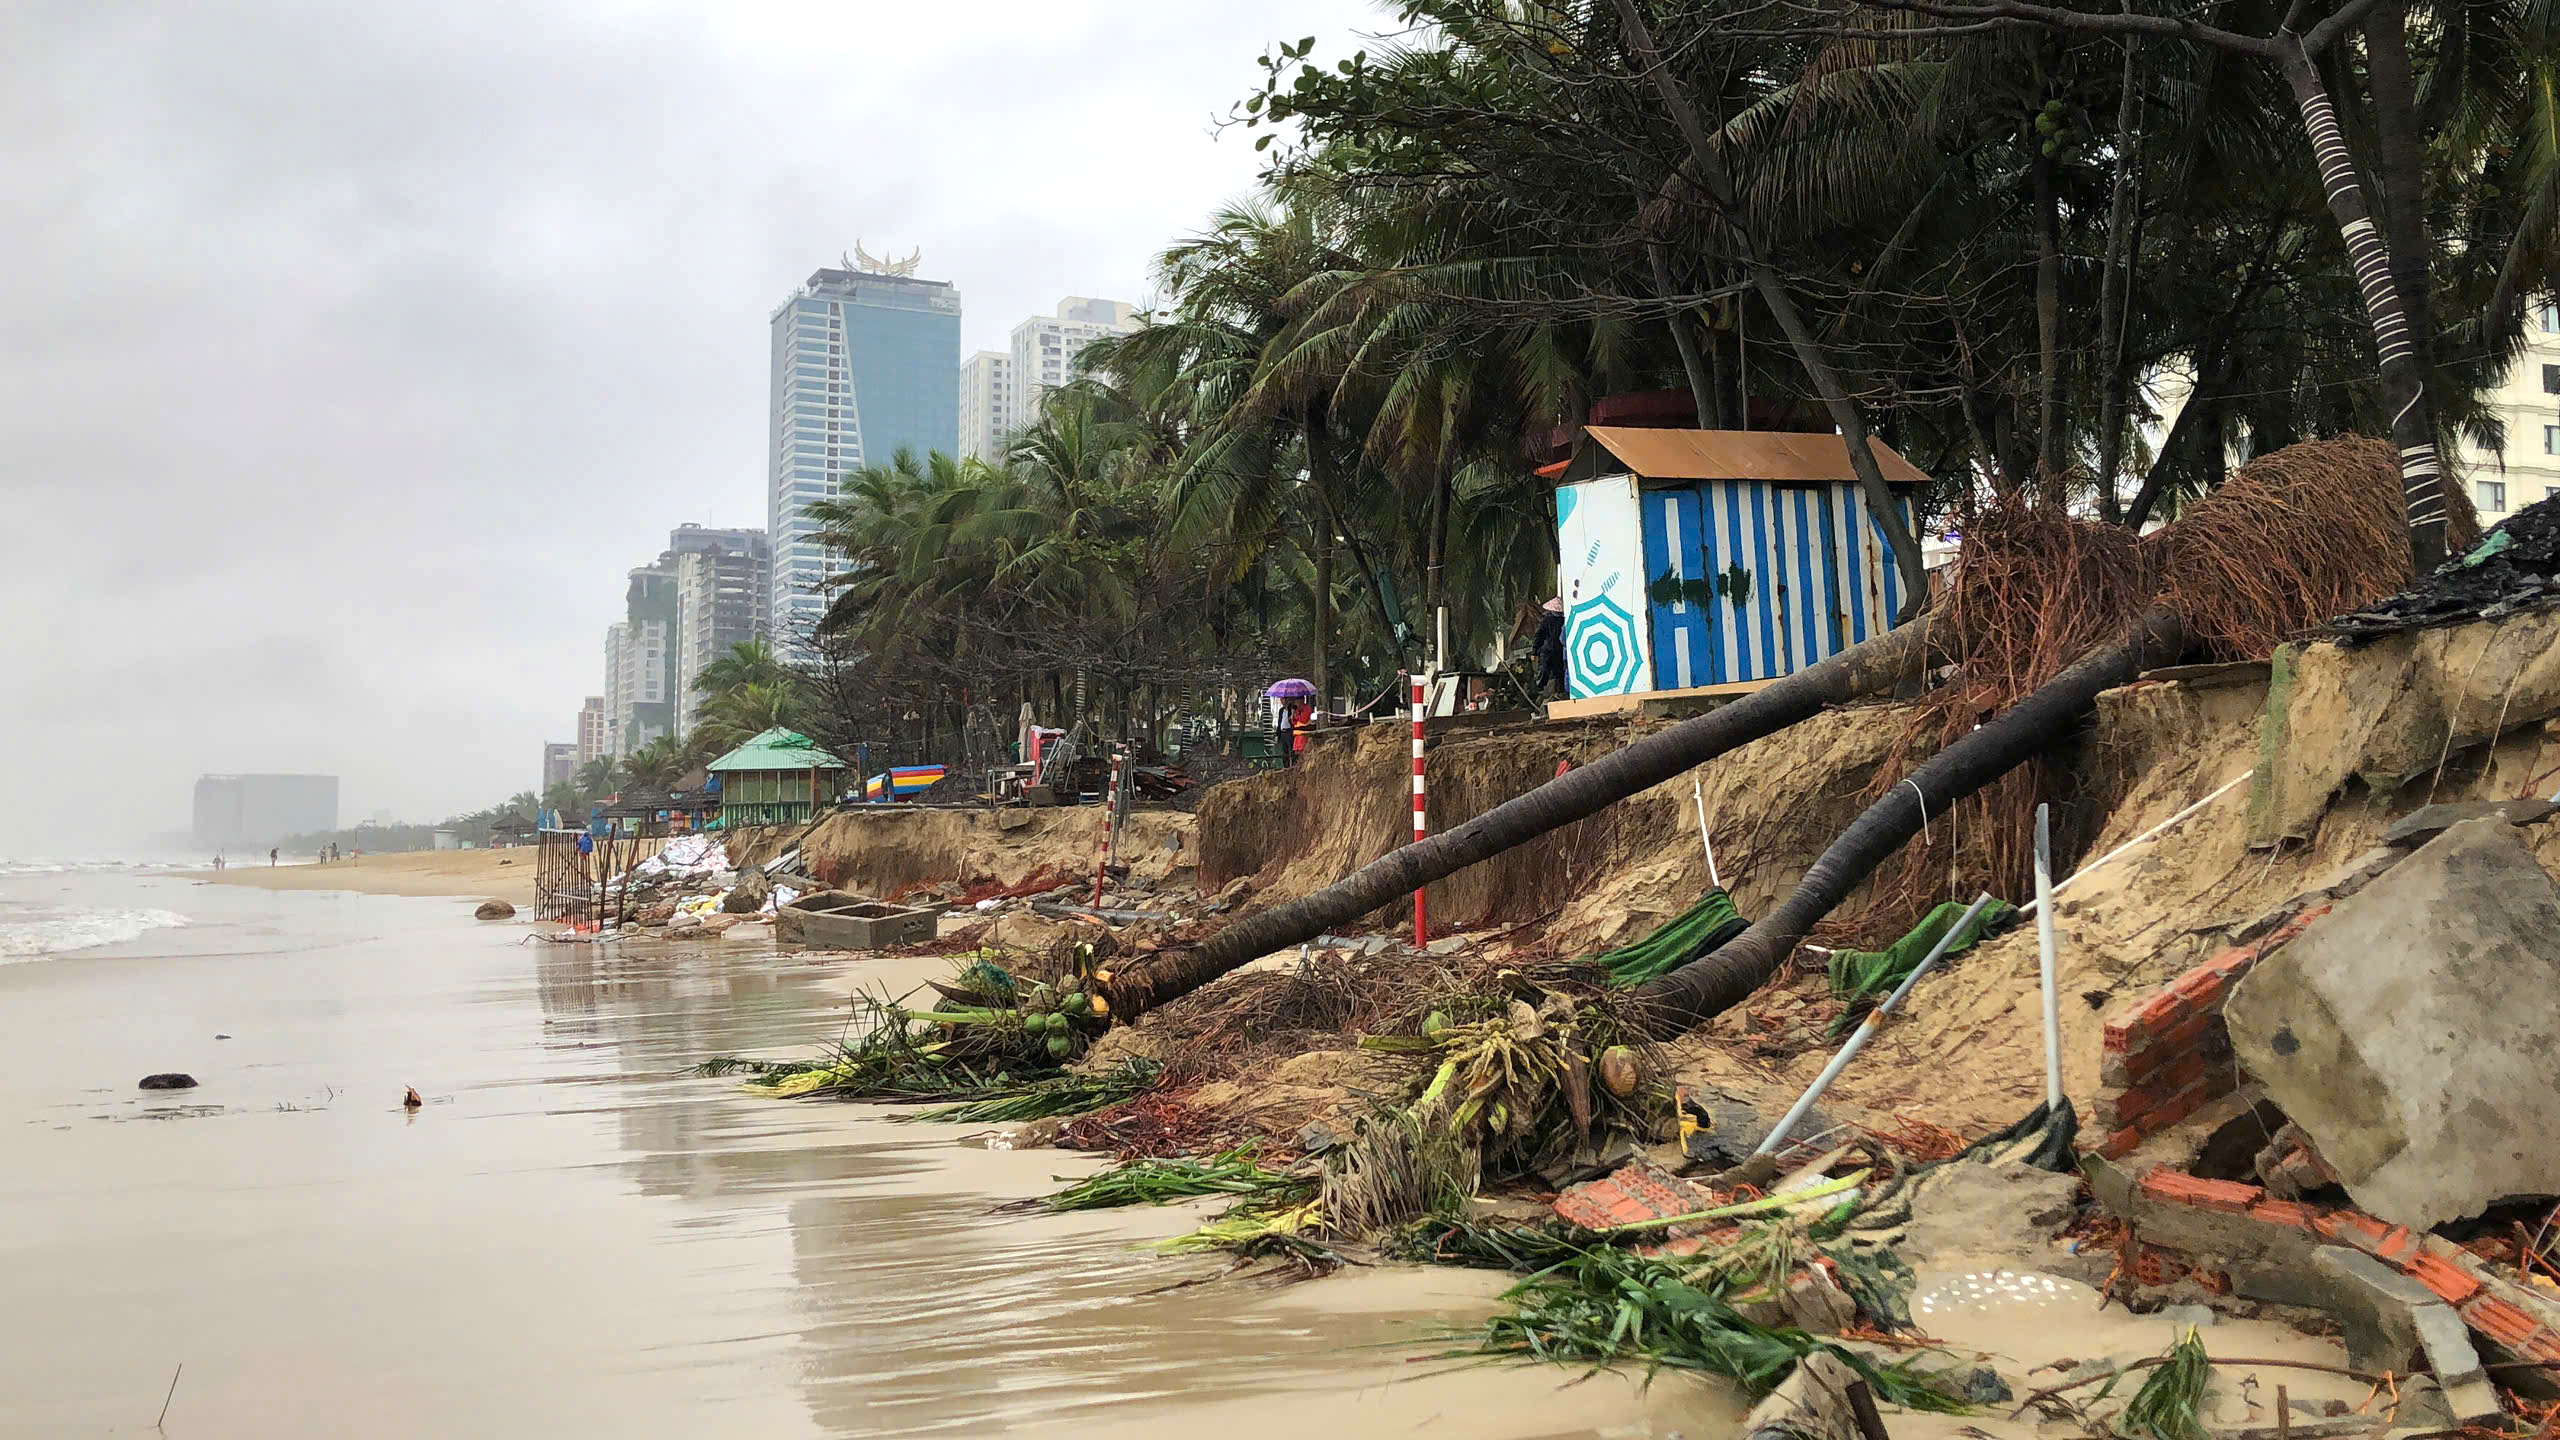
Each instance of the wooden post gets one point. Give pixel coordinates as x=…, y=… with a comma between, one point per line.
x=1110, y=804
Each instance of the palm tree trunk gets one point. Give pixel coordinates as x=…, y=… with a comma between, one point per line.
x=1320, y=477
x=1696, y=992
x=1844, y=411
x=2118, y=278
x=1861, y=669
x=1321, y=662
x=1702, y=391
x=2400, y=170
x=2048, y=222
x=2404, y=391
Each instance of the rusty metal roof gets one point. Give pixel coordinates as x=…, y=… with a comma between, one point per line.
x=1782, y=455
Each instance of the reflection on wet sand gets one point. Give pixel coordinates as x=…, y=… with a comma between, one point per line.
x=575, y=1236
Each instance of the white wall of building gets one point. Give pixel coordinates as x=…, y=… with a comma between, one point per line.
x=986, y=405
x=1045, y=347
x=2528, y=400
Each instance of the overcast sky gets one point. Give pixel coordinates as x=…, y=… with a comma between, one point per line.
x=350, y=352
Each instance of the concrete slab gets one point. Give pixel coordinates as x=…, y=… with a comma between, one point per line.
x=2411, y=1032
x=2428, y=821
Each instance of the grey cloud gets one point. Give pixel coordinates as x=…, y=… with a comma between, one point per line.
x=353, y=350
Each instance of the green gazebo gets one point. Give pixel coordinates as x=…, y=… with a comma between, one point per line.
x=780, y=777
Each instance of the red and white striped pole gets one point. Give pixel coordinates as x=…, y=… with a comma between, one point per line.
x=1421, y=818
x=1110, y=807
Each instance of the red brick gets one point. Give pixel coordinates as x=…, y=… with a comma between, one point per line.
x=2119, y=1035
x=2233, y=963
x=2120, y=1144
x=2168, y=1045
x=2169, y=1079
x=2286, y=1212
x=2163, y=1011
x=2500, y=1321
x=2217, y=1080
x=2199, y=990
x=2155, y=1266
x=2397, y=1246
x=2114, y=1112
x=2176, y=1187
x=2443, y=1277
x=2352, y=1226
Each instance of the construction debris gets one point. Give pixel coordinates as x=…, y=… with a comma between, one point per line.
x=2410, y=1031
x=2514, y=569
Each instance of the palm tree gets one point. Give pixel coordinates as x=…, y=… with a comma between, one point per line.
x=749, y=662
x=657, y=765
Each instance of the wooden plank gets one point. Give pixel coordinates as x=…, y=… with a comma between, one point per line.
x=1621, y=704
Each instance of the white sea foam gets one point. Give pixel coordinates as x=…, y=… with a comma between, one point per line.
x=41, y=932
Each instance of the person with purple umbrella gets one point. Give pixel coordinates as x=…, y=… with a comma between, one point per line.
x=1296, y=708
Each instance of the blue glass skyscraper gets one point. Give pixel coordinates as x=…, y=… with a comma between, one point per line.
x=862, y=367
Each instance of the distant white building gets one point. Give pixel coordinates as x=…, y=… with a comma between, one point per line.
x=594, y=734
x=986, y=405
x=617, y=684
x=724, y=596
x=559, y=763
x=1045, y=347
x=2528, y=400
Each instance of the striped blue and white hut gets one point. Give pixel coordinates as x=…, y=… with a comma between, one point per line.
x=1693, y=558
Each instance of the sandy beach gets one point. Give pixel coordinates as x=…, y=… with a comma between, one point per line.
x=479, y=874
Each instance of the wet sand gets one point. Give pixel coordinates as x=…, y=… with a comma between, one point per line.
x=481, y=874
x=575, y=1237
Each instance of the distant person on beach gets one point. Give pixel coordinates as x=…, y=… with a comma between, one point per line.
x=271, y=857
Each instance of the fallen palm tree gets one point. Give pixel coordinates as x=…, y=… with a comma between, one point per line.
x=1864, y=669
x=2293, y=538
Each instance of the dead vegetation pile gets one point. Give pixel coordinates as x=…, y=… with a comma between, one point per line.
x=2291, y=539
x=1247, y=1023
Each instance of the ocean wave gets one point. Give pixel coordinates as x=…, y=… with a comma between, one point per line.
x=40, y=932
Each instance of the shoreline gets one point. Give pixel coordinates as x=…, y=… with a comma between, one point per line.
x=457, y=874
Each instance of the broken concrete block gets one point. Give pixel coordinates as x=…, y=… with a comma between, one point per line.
x=2428, y=821
x=2410, y=1031
x=2376, y=1307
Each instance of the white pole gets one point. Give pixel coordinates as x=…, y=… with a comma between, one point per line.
x=2044, y=957
x=1866, y=1031
x=1698, y=793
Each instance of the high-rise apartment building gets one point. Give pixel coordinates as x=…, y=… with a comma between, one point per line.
x=862, y=366
x=640, y=658
x=986, y=405
x=617, y=685
x=1045, y=347
x=595, y=735
x=2528, y=400
x=559, y=764
x=724, y=591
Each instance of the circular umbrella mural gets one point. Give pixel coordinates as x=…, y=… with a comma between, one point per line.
x=1601, y=642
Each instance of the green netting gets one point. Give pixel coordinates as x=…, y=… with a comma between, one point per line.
x=1693, y=932
x=1857, y=974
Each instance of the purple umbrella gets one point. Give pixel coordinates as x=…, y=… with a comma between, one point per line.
x=1290, y=690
